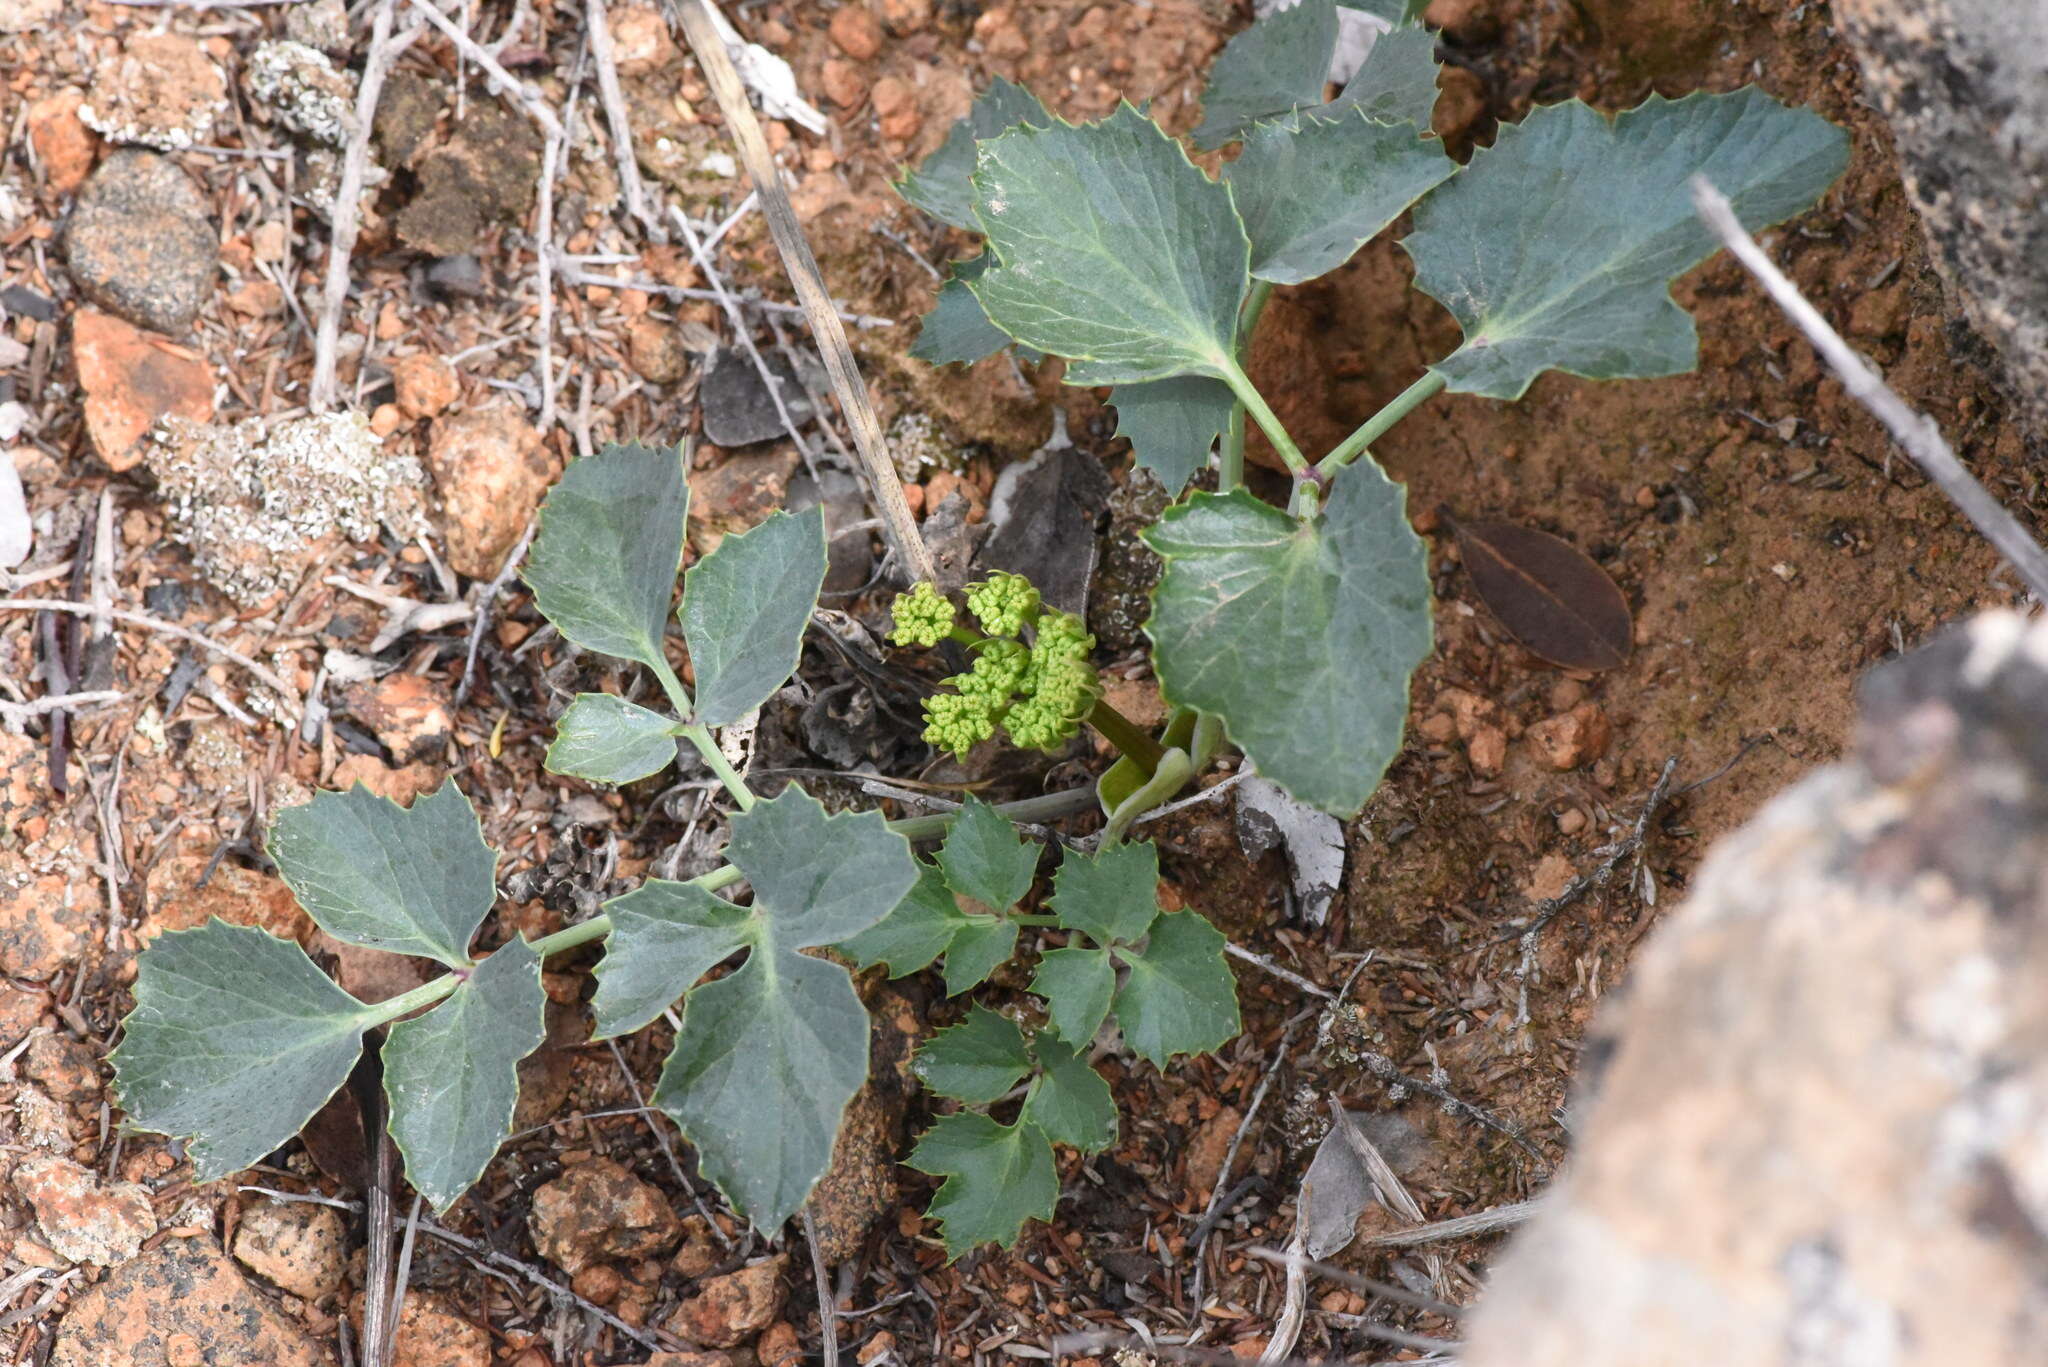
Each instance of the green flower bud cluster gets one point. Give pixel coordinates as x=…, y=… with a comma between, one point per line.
x=1038, y=691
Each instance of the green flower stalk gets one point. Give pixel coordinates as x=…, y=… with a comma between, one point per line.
x=923, y=616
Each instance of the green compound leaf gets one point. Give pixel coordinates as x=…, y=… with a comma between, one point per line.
x=1301, y=638
x=1110, y=897
x=745, y=607
x=1556, y=247
x=769, y=1056
x=1313, y=191
x=980, y=946
x=415, y=880
x=664, y=937
x=985, y=859
x=1396, y=83
x=1077, y=985
x=609, y=740
x=975, y=1061
x=1070, y=1101
x=943, y=186
x=604, y=562
x=761, y=1073
x=451, y=1077
x=1116, y=251
x=997, y=1177
x=916, y=931
x=1180, y=997
x=1173, y=424
x=957, y=329
x=1277, y=65
x=235, y=1041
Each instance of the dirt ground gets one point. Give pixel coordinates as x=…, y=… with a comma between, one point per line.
x=1770, y=547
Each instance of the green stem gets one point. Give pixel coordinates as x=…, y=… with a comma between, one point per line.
x=678, y=696
x=1230, y=457
x=426, y=994
x=1126, y=735
x=700, y=736
x=1380, y=423
x=1036, y=920
x=1255, y=404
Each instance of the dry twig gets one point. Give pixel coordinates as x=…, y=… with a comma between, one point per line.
x=630, y=185
x=288, y=697
x=1915, y=432
x=886, y=487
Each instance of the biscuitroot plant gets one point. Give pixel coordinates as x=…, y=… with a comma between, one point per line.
x=1287, y=633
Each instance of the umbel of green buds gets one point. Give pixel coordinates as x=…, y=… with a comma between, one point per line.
x=1031, y=673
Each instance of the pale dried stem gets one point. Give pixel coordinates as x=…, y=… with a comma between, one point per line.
x=1915, y=432
x=288, y=697
x=797, y=259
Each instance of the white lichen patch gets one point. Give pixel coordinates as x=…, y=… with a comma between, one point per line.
x=259, y=503
x=918, y=447
x=302, y=90
x=159, y=91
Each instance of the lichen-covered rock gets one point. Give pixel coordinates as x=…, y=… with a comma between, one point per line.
x=296, y=1246
x=45, y=920
x=490, y=470
x=158, y=91
x=140, y=243
x=83, y=1218
x=729, y=1310
x=1812, y=1129
x=161, y=1308
x=1964, y=84
x=598, y=1211
x=303, y=90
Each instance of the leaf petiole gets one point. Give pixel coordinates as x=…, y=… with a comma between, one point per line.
x=1262, y=413
x=1126, y=735
x=1382, y=422
x=701, y=737
x=1230, y=456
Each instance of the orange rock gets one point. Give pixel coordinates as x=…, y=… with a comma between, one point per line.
x=1204, y=1165
x=491, y=471
x=599, y=1211
x=295, y=1246
x=855, y=32
x=84, y=1219
x=151, y=1310
x=409, y=713
x=257, y=299
x=656, y=350
x=424, y=384
x=1487, y=750
x=733, y=1308
x=432, y=1334
x=844, y=84
x=1572, y=738
x=400, y=785
x=45, y=923
x=779, y=1347
x=64, y=146
x=641, y=42
x=237, y=895
x=131, y=378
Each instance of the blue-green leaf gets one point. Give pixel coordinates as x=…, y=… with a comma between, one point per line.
x=1312, y=191
x=1301, y=638
x=604, y=562
x=745, y=607
x=451, y=1077
x=997, y=1177
x=760, y=1074
x=664, y=937
x=1173, y=424
x=975, y=1061
x=1396, y=83
x=235, y=1041
x=916, y=931
x=1114, y=250
x=1070, y=1101
x=942, y=186
x=957, y=329
x=1077, y=985
x=1277, y=65
x=1179, y=996
x=609, y=740
x=980, y=946
x=415, y=880
x=769, y=1055
x=1556, y=247
x=1110, y=897
x=985, y=859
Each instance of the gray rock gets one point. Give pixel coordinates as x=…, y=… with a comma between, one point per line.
x=1815, y=1134
x=738, y=410
x=1964, y=84
x=1045, y=514
x=140, y=244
